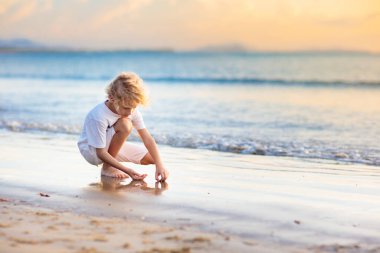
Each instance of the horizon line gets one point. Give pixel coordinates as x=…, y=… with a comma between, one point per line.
x=172, y=50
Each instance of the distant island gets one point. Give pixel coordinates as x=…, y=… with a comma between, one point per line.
x=23, y=44
x=19, y=43
x=27, y=45
x=232, y=48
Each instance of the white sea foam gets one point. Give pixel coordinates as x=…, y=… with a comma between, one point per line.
x=226, y=144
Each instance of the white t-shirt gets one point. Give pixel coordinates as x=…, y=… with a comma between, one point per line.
x=98, y=120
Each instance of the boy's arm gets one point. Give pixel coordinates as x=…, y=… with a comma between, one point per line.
x=103, y=154
x=151, y=145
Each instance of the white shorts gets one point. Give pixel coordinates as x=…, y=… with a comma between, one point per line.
x=129, y=152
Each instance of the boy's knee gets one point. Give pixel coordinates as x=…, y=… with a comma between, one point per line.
x=147, y=159
x=124, y=126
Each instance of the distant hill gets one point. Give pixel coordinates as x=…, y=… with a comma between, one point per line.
x=233, y=47
x=27, y=45
x=20, y=43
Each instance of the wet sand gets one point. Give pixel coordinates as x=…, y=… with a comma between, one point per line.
x=34, y=229
x=53, y=201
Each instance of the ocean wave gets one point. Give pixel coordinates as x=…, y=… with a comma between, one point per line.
x=264, y=81
x=203, y=80
x=225, y=144
x=18, y=126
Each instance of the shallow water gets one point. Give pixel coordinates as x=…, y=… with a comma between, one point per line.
x=309, y=105
x=314, y=122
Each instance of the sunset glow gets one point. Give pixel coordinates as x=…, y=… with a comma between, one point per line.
x=279, y=25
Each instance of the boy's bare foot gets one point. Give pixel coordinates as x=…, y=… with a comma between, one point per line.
x=110, y=171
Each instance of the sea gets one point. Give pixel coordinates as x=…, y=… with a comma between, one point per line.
x=308, y=105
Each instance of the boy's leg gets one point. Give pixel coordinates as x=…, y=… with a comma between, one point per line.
x=134, y=153
x=123, y=127
x=147, y=159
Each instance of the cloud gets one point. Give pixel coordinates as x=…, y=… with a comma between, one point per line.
x=372, y=16
x=25, y=10
x=5, y=5
x=350, y=21
x=46, y=5
x=120, y=11
x=17, y=10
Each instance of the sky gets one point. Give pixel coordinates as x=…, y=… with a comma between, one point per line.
x=262, y=25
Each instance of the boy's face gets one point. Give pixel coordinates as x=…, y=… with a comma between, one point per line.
x=124, y=109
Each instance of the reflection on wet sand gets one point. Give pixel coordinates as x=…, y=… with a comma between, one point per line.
x=116, y=184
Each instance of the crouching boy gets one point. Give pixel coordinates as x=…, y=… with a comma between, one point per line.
x=108, y=125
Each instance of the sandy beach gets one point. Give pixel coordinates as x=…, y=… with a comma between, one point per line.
x=53, y=201
x=35, y=229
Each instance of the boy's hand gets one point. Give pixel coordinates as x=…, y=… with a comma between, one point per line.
x=161, y=174
x=136, y=176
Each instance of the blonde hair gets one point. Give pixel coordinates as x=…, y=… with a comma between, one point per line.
x=127, y=88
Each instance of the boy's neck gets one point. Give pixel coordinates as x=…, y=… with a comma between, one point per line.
x=110, y=106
